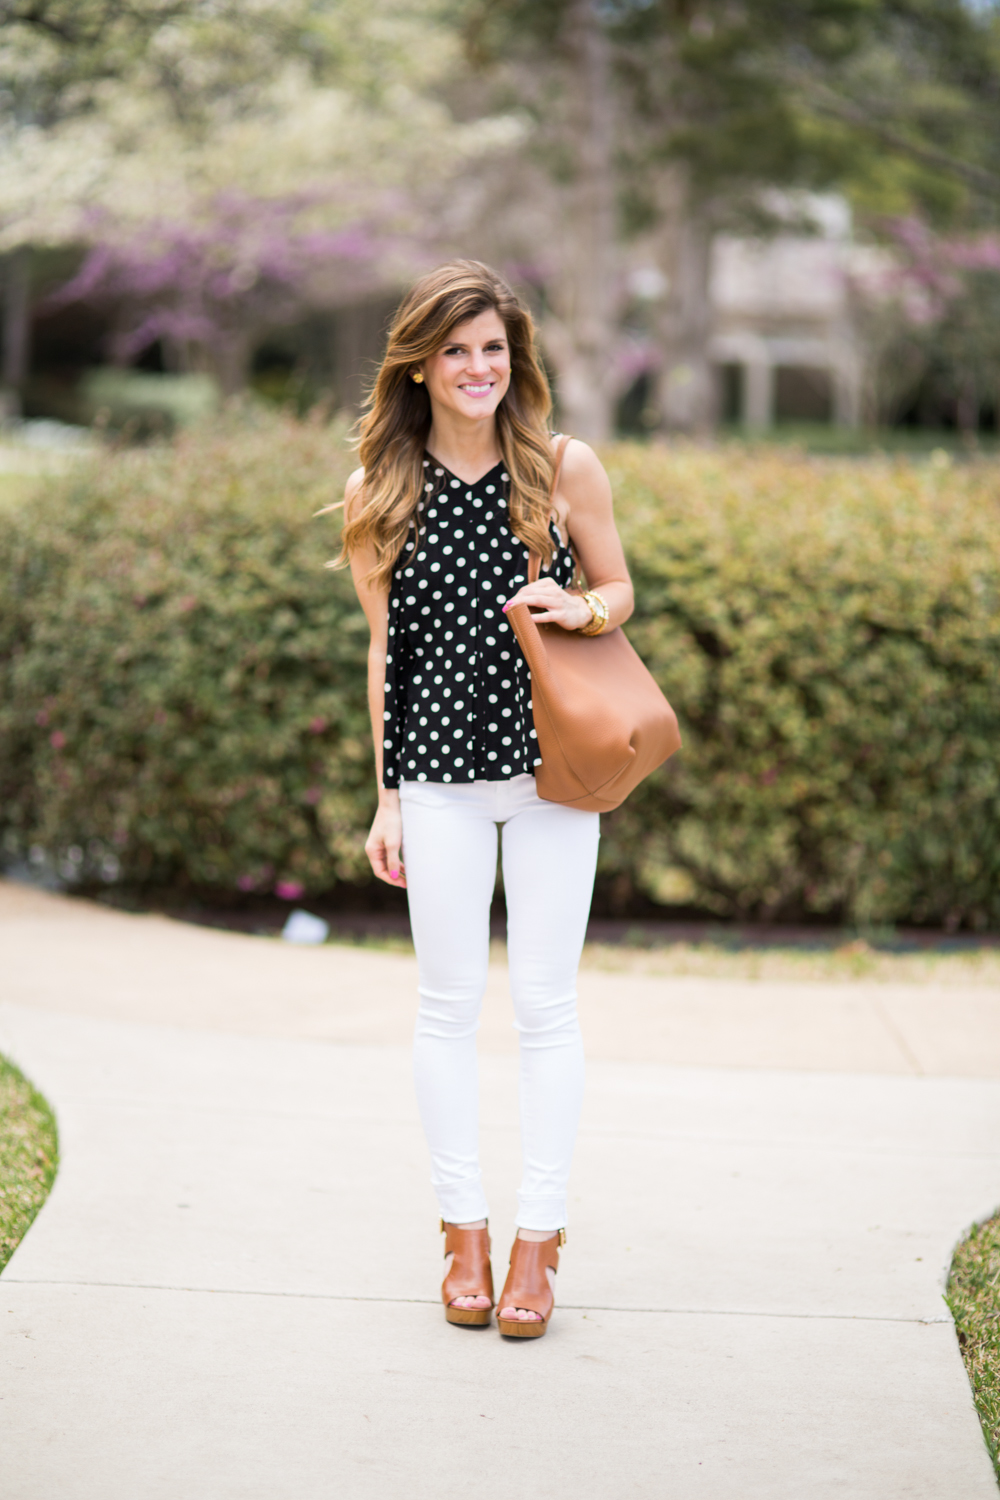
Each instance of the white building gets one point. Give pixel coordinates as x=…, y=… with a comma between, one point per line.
x=784, y=339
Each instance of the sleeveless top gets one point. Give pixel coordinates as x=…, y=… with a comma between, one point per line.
x=457, y=688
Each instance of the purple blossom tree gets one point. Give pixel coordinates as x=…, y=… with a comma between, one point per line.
x=210, y=286
x=938, y=298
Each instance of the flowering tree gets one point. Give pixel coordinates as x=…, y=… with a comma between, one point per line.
x=934, y=307
x=238, y=164
x=659, y=124
x=208, y=288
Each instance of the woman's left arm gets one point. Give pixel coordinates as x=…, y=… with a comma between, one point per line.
x=584, y=508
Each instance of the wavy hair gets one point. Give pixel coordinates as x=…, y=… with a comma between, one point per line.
x=393, y=429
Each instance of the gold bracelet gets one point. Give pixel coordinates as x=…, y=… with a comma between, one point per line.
x=599, y=613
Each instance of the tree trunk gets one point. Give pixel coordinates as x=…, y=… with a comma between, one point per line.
x=967, y=412
x=687, y=396
x=580, y=334
x=358, y=348
x=230, y=361
x=16, y=330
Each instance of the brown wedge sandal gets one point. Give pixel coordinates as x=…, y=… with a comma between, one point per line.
x=470, y=1274
x=527, y=1285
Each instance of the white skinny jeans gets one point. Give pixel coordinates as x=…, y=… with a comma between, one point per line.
x=549, y=859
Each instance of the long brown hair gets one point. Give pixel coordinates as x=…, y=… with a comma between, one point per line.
x=393, y=430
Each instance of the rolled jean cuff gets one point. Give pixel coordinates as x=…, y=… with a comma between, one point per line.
x=462, y=1202
x=540, y=1213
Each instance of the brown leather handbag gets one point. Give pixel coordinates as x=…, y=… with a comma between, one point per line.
x=602, y=723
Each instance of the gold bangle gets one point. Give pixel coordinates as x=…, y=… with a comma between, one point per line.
x=599, y=613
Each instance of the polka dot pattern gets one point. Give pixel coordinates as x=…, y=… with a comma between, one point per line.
x=457, y=689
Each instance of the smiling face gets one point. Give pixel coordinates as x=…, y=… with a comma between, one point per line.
x=471, y=372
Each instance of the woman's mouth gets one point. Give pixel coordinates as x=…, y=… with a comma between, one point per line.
x=482, y=388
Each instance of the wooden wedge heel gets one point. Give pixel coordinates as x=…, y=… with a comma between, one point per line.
x=528, y=1286
x=469, y=1275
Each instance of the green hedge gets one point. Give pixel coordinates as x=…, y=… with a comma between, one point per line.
x=182, y=694
x=829, y=632
x=182, y=683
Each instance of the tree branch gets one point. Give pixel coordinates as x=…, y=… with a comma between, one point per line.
x=824, y=101
x=71, y=28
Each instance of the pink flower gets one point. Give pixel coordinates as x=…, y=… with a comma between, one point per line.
x=289, y=890
x=246, y=883
x=316, y=726
x=313, y=795
x=57, y=740
x=42, y=717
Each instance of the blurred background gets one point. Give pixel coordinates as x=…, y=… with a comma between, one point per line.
x=763, y=215
x=761, y=242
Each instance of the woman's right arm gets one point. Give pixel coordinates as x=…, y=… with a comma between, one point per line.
x=384, y=843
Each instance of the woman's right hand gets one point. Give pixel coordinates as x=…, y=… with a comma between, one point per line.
x=384, y=844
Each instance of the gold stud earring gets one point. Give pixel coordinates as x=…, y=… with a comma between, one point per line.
x=417, y=379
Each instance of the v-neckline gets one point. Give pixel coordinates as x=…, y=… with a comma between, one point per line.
x=469, y=483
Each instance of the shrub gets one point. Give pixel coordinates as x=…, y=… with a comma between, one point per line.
x=182, y=684
x=146, y=404
x=829, y=633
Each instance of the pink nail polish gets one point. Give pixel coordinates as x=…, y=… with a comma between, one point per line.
x=505, y=608
x=394, y=874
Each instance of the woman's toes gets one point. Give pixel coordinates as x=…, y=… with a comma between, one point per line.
x=519, y=1314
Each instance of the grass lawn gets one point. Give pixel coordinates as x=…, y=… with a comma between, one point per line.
x=853, y=959
x=974, y=1299
x=823, y=439
x=29, y=1156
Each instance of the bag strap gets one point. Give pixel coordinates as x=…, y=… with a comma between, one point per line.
x=534, y=559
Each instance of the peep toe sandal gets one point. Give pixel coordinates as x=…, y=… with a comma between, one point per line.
x=470, y=1274
x=528, y=1286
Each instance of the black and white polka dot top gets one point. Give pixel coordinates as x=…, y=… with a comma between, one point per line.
x=457, y=689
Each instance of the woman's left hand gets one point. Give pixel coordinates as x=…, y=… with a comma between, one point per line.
x=559, y=607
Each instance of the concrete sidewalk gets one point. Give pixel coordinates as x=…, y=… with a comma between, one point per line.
x=231, y=1291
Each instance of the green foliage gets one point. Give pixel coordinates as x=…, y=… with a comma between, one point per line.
x=182, y=691
x=893, y=104
x=141, y=403
x=829, y=634
x=29, y=1156
x=974, y=1299
x=947, y=360
x=183, y=696
x=56, y=56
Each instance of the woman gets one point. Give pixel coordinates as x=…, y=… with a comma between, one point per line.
x=455, y=491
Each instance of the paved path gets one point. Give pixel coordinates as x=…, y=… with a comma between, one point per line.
x=230, y=1294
